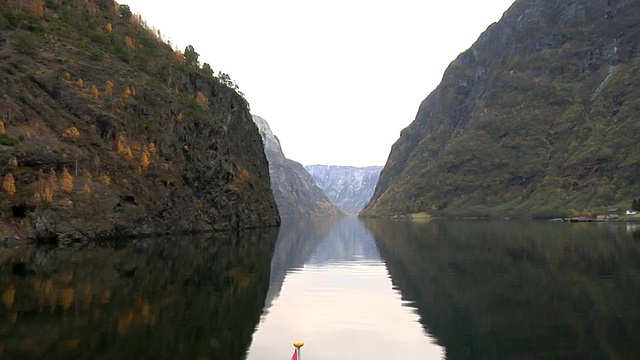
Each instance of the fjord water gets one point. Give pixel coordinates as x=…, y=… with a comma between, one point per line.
x=453, y=289
x=178, y=297
x=350, y=289
x=520, y=289
x=330, y=288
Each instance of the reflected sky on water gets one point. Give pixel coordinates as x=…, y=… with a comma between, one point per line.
x=374, y=289
x=336, y=295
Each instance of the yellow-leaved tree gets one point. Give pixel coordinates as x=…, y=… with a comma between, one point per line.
x=129, y=42
x=109, y=88
x=144, y=159
x=66, y=181
x=202, y=100
x=94, y=92
x=9, y=184
x=105, y=178
x=36, y=8
x=122, y=148
x=71, y=134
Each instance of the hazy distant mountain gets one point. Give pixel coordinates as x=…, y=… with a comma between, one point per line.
x=538, y=118
x=296, y=194
x=350, y=188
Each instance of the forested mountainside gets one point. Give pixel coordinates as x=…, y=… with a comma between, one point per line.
x=296, y=194
x=106, y=130
x=349, y=187
x=538, y=118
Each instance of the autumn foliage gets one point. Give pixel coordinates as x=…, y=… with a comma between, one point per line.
x=202, y=100
x=109, y=88
x=123, y=148
x=71, y=134
x=84, y=109
x=66, y=181
x=129, y=42
x=36, y=8
x=94, y=92
x=9, y=184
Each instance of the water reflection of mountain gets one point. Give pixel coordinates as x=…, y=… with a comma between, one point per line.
x=187, y=297
x=518, y=290
x=348, y=240
x=317, y=241
x=297, y=241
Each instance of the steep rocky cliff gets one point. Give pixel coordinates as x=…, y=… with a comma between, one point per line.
x=296, y=194
x=108, y=131
x=537, y=118
x=349, y=187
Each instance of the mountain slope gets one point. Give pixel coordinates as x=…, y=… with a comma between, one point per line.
x=349, y=187
x=107, y=131
x=537, y=118
x=296, y=194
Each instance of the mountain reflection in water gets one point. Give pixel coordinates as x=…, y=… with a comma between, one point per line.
x=349, y=288
x=330, y=288
x=520, y=289
x=181, y=297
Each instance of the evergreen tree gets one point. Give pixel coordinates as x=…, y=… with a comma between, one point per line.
x=191, y=56
x=125, y=11
x=207, y=69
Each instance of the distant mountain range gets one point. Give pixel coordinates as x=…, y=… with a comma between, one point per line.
x=348, y=187
x=539, y=118
x=295, y=191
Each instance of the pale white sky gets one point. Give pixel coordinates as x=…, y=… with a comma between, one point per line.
x=337, y=80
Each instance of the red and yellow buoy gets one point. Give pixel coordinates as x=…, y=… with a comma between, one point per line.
x=296, y=352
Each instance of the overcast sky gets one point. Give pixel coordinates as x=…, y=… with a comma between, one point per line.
x=337, y=80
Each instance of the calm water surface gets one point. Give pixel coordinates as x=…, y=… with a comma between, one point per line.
x=330, y=288
x=349, y=288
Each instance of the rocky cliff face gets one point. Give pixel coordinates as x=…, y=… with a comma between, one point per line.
x=537, y=118
x=106, y=131
x=349, y=187
x=296, y=194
